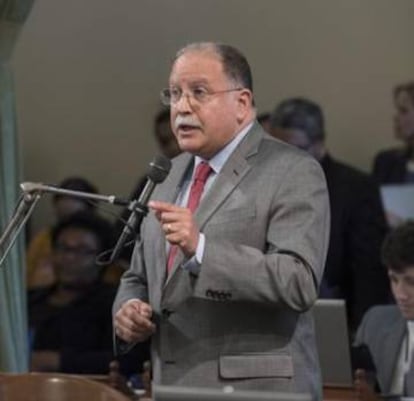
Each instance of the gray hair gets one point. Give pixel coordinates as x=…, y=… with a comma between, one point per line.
x=302, y=114
x=234, y=63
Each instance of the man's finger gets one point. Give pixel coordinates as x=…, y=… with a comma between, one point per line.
x=161, y=207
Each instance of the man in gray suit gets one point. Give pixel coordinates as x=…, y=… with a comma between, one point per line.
x=233, y=308
x=388, y=330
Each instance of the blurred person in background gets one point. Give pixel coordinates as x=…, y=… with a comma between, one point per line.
x=264, y=121
x=40, y=272
x=70, y=321
x=388, y=330
x=353, y=269
x=396, y=166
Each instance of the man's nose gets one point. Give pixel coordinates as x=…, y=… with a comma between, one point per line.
x=69, y=258
x=400, y=292
x=184, y=103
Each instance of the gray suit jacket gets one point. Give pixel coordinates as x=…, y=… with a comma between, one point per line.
x=382, y=330
x=244, y=319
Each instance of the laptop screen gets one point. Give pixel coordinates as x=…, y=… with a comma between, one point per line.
x=332, y=341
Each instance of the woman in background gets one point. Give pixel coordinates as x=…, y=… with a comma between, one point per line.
x=40, y=271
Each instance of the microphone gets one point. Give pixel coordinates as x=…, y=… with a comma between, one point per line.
x=158, y=171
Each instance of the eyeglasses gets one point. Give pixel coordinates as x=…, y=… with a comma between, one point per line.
x=198, y=94
x=78, y=251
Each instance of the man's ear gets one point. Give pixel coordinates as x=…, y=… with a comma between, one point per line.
x=244, y=104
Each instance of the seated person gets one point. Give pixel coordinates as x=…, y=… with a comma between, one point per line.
x=70, y=321
x=358, y=223
x=396, y=166
x=39, y=264
x=388, y=331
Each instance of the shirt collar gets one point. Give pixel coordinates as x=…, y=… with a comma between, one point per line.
x=219, y=159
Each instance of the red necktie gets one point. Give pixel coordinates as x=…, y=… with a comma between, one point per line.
x=202, y=172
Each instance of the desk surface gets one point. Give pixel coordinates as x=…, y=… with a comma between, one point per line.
x=335, y=393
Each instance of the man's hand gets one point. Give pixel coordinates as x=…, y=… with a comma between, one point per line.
x=132, y=322
x=363, y=390
x=179, y=226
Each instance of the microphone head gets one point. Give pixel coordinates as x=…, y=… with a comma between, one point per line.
x=159, y=169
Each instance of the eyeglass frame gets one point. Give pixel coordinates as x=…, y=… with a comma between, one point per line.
x=80, y=251
x=166, y=100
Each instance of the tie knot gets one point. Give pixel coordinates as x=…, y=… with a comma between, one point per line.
x=202, y=172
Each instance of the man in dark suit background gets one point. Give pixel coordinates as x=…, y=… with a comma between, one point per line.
x=353, y=269
x=233, y=307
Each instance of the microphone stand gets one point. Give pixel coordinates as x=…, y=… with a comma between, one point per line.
x=22, y=212
x=32, y=193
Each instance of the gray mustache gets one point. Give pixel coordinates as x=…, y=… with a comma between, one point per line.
x=180, y=120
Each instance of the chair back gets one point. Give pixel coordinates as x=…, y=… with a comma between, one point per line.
x=54, y=387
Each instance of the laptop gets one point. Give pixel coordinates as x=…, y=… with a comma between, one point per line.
x=332, y=341
x=179, y=393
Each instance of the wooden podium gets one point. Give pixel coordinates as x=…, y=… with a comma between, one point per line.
x=338, y=393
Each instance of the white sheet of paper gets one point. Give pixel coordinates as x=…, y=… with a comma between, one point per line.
x=398, y=200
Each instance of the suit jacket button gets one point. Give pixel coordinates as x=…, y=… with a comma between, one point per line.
x=166, y=313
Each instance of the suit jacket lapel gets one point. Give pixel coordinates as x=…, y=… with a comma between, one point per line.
x=228, y=179
x=168, y=193
x=391, y=346
x=232, y=173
